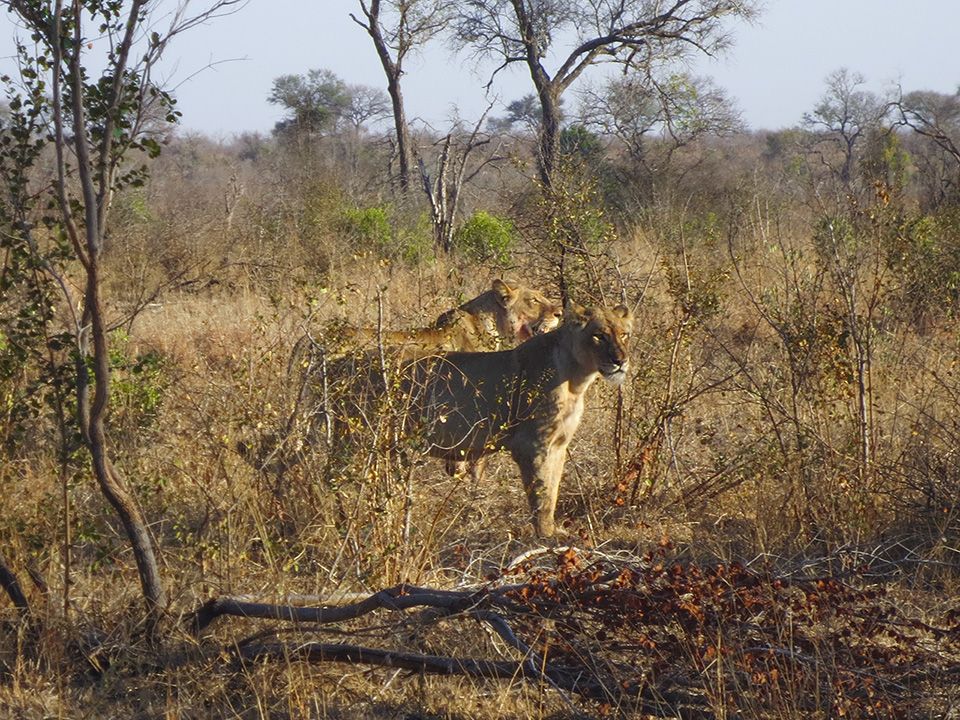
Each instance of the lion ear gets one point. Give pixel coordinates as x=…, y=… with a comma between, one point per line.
x=573, y=312
x=451, y=317
x=503, y=291
x=625, y=316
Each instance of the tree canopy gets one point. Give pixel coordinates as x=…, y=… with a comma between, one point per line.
x=319, y=102
x=641, y=34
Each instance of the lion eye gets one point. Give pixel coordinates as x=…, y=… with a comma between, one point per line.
x=597, y=339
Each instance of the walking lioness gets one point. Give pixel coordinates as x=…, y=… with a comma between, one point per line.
x=330, y=369
x=498, y=317
x=528, y=400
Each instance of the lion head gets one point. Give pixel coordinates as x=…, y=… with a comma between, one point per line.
x=524, y=312
x=599, y=342
x=510, y=313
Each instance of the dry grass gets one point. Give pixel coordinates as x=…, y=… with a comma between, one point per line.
x=709, y=474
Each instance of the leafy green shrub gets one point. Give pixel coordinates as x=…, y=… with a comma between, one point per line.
x=131, y=207
x=369, y=227
x=414, y=241
x=578, y=142
x=138, y=386
x=35, y=373
x=837, y=239
x=486, y=237
x=923, y=251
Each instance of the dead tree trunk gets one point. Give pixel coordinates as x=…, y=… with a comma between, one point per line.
x=437, y=190
x=414, y=23
x=11, y=585
x=444, y=188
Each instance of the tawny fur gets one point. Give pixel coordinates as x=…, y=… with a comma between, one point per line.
x=528, y=401
x=502, y=315
x=509, y=313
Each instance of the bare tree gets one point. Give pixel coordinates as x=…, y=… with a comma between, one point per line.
x=841, y=121
x=397, y=28
x=653, y=118
x=367, y=104
x=641, y=34
x=99, y=125
x=935, y=117
x=444, y=187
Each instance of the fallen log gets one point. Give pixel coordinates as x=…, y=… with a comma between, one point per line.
x=399, y=597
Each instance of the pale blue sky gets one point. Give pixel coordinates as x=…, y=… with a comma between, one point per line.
x=775, y=70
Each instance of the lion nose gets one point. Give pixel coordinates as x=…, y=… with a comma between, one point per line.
x=614, y=373
x=616, y=364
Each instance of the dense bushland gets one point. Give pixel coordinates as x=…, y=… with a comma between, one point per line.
x=784, y=452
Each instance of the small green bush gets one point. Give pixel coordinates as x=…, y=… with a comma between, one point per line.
x=485, y=237
x=139, y=383
x=924, y=253
x=414, y=243
x=368, y=226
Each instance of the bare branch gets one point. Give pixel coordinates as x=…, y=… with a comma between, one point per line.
x=400, y=597
x=429, y=664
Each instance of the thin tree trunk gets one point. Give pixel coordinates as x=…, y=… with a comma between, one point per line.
x=10, y=583
x=863, y=412
x=402, y=131
x=96, y=184
x=549, y=130
x=111, y=482
x=393, y=69
x=548, y=92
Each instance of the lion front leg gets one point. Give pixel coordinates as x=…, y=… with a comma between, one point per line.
x=472, y=468
x=541, y=475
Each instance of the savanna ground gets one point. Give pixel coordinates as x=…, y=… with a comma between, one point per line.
x=764, y=523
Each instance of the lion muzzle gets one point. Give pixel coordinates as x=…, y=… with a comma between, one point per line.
x=614, y=373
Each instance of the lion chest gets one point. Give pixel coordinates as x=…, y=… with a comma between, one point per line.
x=553, y=424
x=568, y=413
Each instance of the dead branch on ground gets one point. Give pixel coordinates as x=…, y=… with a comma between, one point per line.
x=653, y=635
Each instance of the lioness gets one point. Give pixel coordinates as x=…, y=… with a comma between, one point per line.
x=462, y=331
x=503, y=315
x=528, y=400
x=508, y=313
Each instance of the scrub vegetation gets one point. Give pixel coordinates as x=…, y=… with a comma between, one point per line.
x=761, y=521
